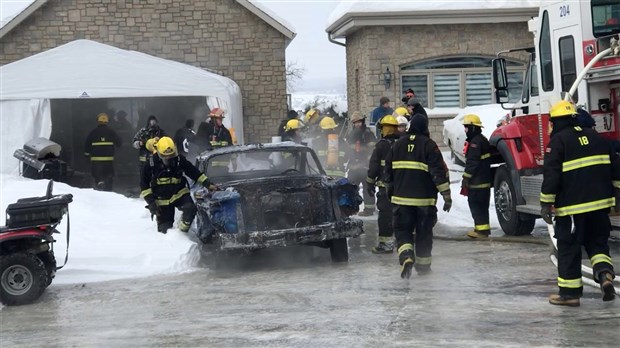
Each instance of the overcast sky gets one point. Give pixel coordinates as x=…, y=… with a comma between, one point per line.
x=324, y=62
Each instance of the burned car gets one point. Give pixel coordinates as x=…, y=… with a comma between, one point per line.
x=274, y=195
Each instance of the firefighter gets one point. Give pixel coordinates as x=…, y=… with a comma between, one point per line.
x=331, y=149
x=376, y=168
x=184, y=137
x=100, y=145
x=312, y=122
x=151, y=130
x=291, y=115
x=403, y=122
x=217, y=134
x=361, y=142
x=164, y=186
x=292, y=131
x=476, y=184
x=414, y=172
x=581, y=182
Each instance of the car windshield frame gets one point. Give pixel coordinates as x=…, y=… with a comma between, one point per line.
x=260, y=162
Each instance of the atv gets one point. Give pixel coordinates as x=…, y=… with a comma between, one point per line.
x=27, y=262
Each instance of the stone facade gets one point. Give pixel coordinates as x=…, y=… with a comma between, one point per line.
x=371, y=49
x=220, y=35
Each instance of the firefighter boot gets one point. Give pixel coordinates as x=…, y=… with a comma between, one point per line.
x=422, y=269
x=477, y=234
x=560, y=300
x=383, y=248
x=184, y=226
x=366, y=212
x=607, y=286
x=405, y=270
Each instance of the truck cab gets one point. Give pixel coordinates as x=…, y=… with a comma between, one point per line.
x=567, y=62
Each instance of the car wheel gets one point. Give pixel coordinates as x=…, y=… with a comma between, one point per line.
x=49, y=261
x=339, y=250
x=23, y=278
x=512, y=222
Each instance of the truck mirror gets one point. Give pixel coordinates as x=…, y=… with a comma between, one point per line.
x=500, y=80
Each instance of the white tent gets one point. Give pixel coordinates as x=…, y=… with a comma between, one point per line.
x=84, y=69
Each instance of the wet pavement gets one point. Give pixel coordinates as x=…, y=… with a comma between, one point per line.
x=481, y=294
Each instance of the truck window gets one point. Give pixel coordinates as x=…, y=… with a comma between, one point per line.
x=530, y=85
x=568, y=70
x=605, y=17
x=546, y=63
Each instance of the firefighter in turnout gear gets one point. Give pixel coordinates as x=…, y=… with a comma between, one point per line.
x=581, y=183
x=376, y=170
x=331, y=149
x=414, y=172
x=476, y=183
x=165, y=188
x=217, y=134
x=361, y=142
x=100, y=145
x=151, y=130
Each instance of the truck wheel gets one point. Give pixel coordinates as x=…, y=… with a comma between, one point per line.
x=23, y=278
x=50, y=265
x=339, y=250
x=512, y=222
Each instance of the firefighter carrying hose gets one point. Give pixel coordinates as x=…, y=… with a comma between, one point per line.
x=331, y=149
x=414, y=172
x=376, y=169
x=164, y=187
x=581, y=182
x=476, y=183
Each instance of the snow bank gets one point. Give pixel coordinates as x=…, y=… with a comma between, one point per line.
x=112, y=236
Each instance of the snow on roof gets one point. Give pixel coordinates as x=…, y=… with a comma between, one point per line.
x=275, y=17
x=387, y=7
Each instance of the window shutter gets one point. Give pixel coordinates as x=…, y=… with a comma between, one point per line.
x=478, y=89
x=446, y=90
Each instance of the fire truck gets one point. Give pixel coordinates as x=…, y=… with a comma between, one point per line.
x=575, y=57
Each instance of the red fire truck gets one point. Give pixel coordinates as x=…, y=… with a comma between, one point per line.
x=575, y=57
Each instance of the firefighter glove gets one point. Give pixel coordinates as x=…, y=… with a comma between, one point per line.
x=447, y=201
x=546, y=212
x=154, y=209
x=371, y=189
x=465, y=182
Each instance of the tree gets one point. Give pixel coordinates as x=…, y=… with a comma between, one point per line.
x=294, y=74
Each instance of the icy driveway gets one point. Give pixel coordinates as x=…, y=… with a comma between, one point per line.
x=479, y=294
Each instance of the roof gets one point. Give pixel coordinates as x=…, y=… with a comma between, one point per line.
x=349, y=16
x=257, y=9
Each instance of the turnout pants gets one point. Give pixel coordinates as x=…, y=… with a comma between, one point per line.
x=592, y=231
x=103, y=173
x=407, y=220
x=357, y=176
x=478, y=200
x=385, y=216
x=165, y=218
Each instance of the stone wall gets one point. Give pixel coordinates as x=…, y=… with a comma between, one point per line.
x=217, y=34
x=371, y=49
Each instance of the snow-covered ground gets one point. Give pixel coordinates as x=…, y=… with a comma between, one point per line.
x=111, y=236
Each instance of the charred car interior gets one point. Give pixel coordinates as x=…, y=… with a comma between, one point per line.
x=274, y=195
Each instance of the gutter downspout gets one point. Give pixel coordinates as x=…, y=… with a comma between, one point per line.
x=329, y=37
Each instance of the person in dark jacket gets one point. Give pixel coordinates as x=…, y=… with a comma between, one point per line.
x=291, y=115
x=184, y=137
x=376, y=170
x=382, y=110
x=581, y=182
x=165, y=188
x=217, y=134
x=414, y=173
x=100, y=145
x=476, y=183
x=151, y=130
x=414, y=107
x=361, y=142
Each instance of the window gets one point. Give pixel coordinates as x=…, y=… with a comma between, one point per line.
x=568, y=70
x=530, y=85
x=457, y=81
x=605, y=17
x=546, y=66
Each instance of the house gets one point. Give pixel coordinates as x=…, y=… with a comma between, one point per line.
x=442, y=50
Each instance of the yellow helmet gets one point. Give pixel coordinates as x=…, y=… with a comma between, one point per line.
x=562, y=108
x=401, y=111
x=292, y=124
x=103, y=118
x=311, y=114
x=327, y=123
x=166, y=148
x=471, y=119
x=151, y=144
x=388, y=120
x=357, y=116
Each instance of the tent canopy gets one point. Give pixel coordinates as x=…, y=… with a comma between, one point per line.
x=87, y=69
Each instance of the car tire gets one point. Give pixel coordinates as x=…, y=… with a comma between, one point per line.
x=49, y=261
x=23, y=278
x=512, y=222
x=339, y=250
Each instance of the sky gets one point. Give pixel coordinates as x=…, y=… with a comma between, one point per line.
x=323, y=62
